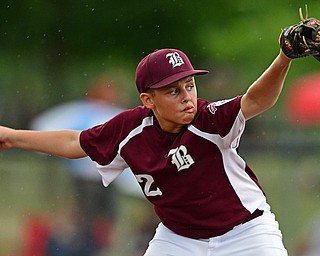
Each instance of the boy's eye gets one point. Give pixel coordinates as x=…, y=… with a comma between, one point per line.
x=173, y=92
x=190, y=87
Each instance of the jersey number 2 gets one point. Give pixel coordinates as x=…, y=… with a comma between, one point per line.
x=148, y=180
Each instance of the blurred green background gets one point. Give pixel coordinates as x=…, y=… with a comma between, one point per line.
x=51, y=50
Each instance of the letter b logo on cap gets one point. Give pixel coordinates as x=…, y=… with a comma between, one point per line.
x=174, y=59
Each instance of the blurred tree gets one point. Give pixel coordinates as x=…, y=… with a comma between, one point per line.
x=51, y=48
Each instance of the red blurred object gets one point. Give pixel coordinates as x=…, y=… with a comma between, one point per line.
x=302, y=106
x=102, y=232
x=35, y=237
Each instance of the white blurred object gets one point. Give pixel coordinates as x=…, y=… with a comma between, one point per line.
x=81, y=115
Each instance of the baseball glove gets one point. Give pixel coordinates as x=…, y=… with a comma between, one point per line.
x=302, y=39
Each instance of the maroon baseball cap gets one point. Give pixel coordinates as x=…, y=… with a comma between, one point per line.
x=163, y=67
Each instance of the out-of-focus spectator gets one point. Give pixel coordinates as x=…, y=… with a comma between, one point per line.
x=87, y=227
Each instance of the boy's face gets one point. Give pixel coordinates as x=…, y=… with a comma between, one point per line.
x=174, y=105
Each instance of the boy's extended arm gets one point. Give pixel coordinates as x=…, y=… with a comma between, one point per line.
x=60, y=143
x=265, y=91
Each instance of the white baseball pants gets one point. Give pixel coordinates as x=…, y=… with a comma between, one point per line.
x=260, y=236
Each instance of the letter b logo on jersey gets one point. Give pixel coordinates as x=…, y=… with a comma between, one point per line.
x=181, y=158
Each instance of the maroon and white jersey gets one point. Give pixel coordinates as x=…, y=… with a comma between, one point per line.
x=200, y=187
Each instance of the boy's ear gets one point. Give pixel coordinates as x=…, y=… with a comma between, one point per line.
x=146, y=99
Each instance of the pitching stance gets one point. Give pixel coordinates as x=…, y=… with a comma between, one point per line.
x=183, y=151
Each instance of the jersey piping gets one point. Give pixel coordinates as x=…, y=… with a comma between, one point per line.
x=147, y=121
x=234, y=165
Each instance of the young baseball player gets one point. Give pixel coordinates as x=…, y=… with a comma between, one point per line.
x=183, y=151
